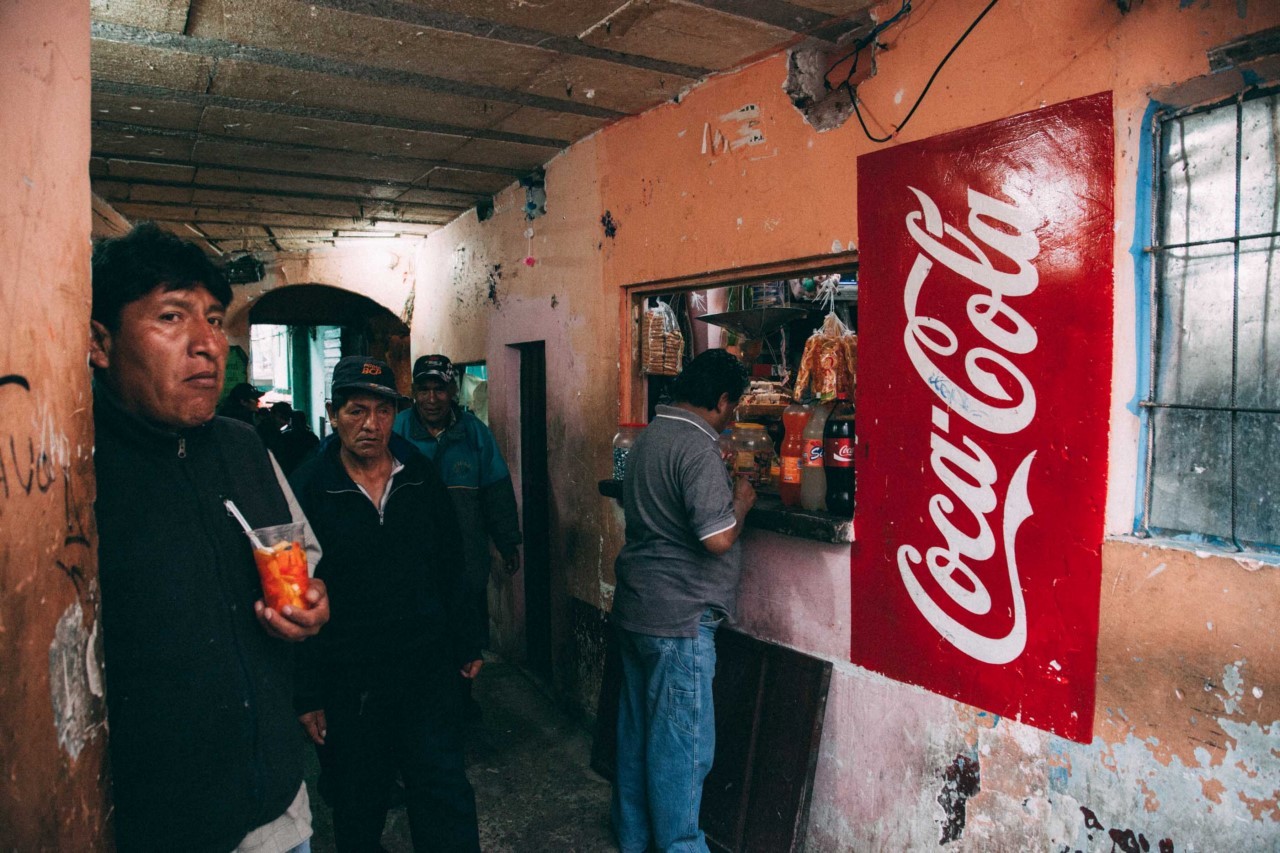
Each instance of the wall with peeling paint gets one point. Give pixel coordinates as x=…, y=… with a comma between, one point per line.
x=1186, y=740
x=384, y=274
x=53, y=792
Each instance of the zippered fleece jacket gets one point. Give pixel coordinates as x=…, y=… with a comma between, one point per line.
x=397, y=600
x=203, y=739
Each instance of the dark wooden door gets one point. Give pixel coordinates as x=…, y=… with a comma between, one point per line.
x=535, y=501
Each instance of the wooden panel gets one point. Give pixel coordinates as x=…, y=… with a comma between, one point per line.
x=462, y=201
x=147, y=112
x=285, y=25
x=566, y=19
x=215, y=231
x=554, y=125
x=512, y=155
x=124, y=143
x=168, y=16
x=792, y=710
x=139, y=170
x=327, y=91
x=737, y=689
x=770, y=706
x=688, y=34
x=307, y=161
x=232, y=179
x=837, y=8
x=158, y=212
x=240, y=124
x=605, y=84
x=465, y=180
x=128, y=63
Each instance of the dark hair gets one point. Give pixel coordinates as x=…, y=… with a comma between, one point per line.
x=709, y=375
x=281, y=408
x=127, y=268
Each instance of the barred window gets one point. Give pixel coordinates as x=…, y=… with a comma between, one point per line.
x=1212, y=407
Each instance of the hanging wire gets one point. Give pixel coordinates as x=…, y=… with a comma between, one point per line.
x=853, y=97
x=861, y=43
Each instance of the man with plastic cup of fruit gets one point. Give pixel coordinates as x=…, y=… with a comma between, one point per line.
x=202, y=737
x=377, y=688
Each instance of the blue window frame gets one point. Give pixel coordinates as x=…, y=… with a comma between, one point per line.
x=1211, y=408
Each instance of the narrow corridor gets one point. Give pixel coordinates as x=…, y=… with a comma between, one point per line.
x=529, y=765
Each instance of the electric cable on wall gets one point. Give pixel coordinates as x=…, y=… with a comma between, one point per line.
x=853, y=98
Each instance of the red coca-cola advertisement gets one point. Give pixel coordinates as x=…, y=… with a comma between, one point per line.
x=985, y=315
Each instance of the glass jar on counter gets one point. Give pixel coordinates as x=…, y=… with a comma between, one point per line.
x=622, y=443
x=752, y=453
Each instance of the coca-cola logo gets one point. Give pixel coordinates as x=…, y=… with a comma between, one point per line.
x=962, y=567
x=840, y=452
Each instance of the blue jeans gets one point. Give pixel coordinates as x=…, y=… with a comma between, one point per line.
x=666, y=739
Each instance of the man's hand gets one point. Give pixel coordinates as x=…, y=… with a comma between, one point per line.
x=744, y=497
x=314, y=724
x=472, y=669
x=292, y=624
x=510, y=565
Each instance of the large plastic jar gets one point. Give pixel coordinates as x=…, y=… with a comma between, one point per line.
x=622, y=443
x=753, y=453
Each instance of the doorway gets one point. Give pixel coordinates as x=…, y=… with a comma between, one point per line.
x=535, y=497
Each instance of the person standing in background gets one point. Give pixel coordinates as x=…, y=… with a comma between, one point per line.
x=475, y=473
x=377, y=688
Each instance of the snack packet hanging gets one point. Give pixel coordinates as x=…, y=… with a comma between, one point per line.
x=830, y=361
x=663, y=344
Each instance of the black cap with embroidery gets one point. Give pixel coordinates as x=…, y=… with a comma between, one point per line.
x=360, y=373
x=434, y=366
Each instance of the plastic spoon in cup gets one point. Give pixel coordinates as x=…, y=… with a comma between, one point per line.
x=235, y=513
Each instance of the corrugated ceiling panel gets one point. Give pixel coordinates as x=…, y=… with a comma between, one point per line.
x=686, y=33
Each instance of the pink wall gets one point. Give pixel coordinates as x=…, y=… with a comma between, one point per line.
x=53, y=793
x=1189, y=659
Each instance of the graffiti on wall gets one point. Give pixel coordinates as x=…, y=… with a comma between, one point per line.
x=36, y=462
x=985, y=307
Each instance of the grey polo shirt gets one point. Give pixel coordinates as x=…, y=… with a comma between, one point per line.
x=676, y=494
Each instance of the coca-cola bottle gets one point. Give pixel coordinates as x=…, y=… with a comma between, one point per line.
x=837, y=457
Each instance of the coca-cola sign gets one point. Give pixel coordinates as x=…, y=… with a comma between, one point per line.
x=985, y=312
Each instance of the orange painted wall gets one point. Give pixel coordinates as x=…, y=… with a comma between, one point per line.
x=1186, y=741
x=53, y=786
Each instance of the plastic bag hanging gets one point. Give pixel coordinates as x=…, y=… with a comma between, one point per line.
x=662, y=344
x=830, y=361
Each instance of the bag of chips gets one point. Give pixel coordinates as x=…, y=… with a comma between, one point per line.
x=662, y=344
x=830, y=361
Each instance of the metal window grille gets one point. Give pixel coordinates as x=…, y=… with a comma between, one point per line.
x=1212, y=409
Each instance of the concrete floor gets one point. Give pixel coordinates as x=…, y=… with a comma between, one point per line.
x=529, y=765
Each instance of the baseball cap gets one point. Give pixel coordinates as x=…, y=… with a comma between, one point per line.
x=438, y=366
x=244, y=391
x=362, y=373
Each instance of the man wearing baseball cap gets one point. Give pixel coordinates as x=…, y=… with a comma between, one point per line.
x=474, y=471
x=376, y=689
x=241, y=403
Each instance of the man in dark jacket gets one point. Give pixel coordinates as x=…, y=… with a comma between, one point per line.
x=377, y=687
x=467, y=457
x=205, y=752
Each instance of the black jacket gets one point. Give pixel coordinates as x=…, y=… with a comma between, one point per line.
x=396, y=594
x=204, y=743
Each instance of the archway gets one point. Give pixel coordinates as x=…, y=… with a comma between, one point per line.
x=316, y=325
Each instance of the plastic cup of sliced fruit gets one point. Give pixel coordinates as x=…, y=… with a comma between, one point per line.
x=282, y=565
